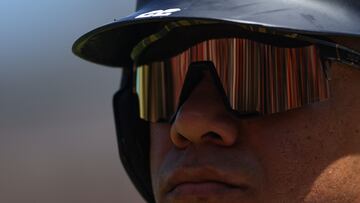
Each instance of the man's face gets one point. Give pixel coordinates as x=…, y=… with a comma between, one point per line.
x=310, y=154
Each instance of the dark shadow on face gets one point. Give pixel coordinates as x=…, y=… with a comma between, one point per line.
x=311, y=154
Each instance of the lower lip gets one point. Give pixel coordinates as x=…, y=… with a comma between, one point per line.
x=204, y=189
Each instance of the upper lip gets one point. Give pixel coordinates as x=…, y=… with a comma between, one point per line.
x=203, y=174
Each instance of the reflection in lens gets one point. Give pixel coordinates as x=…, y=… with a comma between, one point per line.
x=256, y=77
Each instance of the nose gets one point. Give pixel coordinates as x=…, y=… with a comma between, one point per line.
x=204, y=118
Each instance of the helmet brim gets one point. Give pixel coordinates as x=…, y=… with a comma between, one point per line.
x=111, y=44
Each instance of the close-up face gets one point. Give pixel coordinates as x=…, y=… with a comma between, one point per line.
x=308, y=154
x=236, y=100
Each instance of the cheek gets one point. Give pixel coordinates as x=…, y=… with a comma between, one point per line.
x=160, y=145
x=294, y=149
x=338, y=182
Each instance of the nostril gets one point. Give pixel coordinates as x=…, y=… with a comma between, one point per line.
x=179, y=140
x=212, y=136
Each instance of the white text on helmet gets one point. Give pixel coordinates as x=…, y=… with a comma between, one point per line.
x=159, y=13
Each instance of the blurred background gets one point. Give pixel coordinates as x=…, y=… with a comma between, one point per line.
x=57, y=137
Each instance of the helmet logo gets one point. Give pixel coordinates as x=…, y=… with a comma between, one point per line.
x=159, y=13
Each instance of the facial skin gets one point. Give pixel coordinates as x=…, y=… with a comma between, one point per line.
x=311, y=154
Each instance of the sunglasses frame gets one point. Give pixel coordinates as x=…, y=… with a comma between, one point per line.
x=194, y=76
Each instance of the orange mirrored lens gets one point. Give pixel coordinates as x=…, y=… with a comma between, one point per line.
x=255, y=76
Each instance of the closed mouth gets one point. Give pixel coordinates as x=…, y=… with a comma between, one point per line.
x=205, y=189
x=203, y=182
